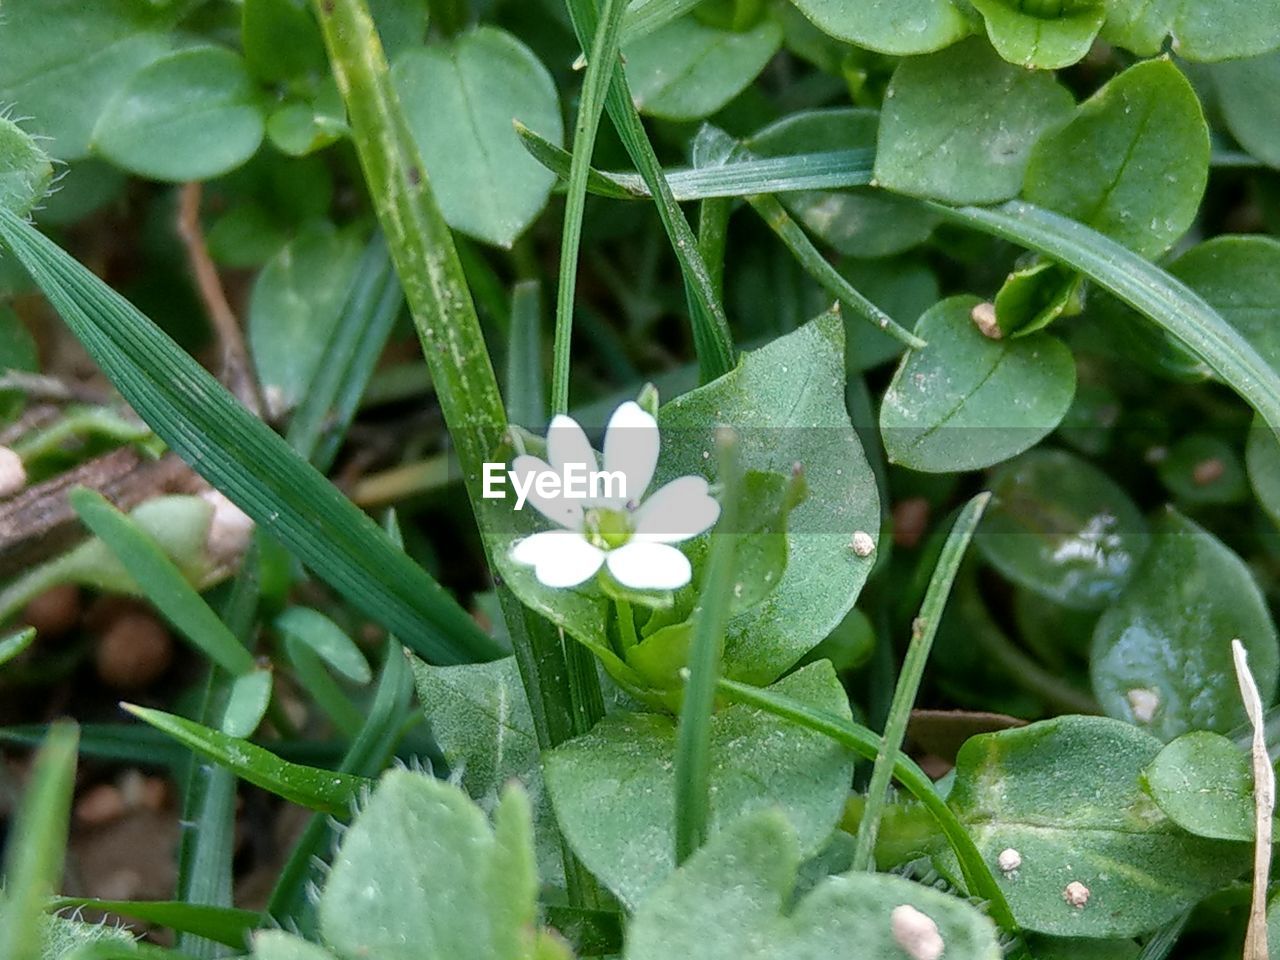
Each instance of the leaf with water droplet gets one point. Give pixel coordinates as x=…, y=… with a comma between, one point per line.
x=1170, y=633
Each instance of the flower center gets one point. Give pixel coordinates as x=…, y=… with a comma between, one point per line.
x=605, y=528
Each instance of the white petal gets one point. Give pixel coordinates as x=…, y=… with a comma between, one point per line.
x=559, y=510
x=642, y=565
x=631, y=446
x=560, y=558
x=567, y=443
x=677, y=511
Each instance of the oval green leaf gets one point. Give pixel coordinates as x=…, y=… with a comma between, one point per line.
x=1059, y=526
x=1204, y=783
x=1250, y=108
x=460, y=99
x=967, y=401
x=1047, y=41
x=890, y=26
x=960, y=125
x=1222, y=30
x=1132, y=163
x=1162, y=653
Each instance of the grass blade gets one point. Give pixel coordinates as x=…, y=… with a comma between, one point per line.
x=165, y=586
x=225, y=925
x=1151, y=291
x=328, y=791
x=12, y=645
x=242, y=457
x=830, y=170
x=866, y=743
x=601, y=63
x=693, y=735
x=818, y=267
x=923, y=631
x=526, y=391
x=645, y=16
x=37, y=845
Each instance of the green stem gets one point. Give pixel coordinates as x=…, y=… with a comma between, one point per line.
x=82, y=424
x=818, y=267
x=713, y=239
x=711, y=335
x=626, y=625
x=977, y=875
x=600, y=66
x=693, y=736
x=904, y=696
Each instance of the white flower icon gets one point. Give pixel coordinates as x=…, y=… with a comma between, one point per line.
x=632, y=538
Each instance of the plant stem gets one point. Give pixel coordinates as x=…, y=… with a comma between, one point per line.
x=600, y=66
x=713, y=238
x=693, y=736
x=626, y=625
x=904, y=696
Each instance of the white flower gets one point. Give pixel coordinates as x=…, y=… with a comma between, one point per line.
x=632, y=538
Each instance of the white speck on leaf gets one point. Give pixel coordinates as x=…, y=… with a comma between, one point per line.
x=916, y=933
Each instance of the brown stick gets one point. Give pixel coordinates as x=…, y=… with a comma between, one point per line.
x=237, y=372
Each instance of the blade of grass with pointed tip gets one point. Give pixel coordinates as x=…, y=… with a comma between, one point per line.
x=830, y=170
x=14, y=644
x=868, y=744
x=225, y=925
x=600, y=68
x=923, y=630
x=37, y=845
x=329, y=791
x=1151, y=291
x=241, y=456
x=828, y=277
x=163, y=583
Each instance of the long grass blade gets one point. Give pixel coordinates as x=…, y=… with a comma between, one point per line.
x=12, y=645
x=526, y=389
x=225, y=925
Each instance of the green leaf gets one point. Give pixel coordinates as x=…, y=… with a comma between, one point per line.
x=191, y=115
x=614, y=793
x=244, y=457
x=37, y=842
x=687, y=70
x=64, y=60
x=14, y=644
x=1204, y=783
x=890, y=26
x=295, y=307
x=328, y=641
x=421, y=873
x=460, y=99
x=1061, y=527
x=967, y=401
x=857, y=222
x=960, y=125
x=732, y=901
x=1133, y=161
x=281, y=40
x=1058, y=37
x=1163, y=650
x=222, y=924
x=247, y=701
x=1223, y=30
x=786, y=402
x=1203, y=469
x=1245, y=90
x=326, y=790
x=1066, y=795
x=25, y=169
x=480, y=717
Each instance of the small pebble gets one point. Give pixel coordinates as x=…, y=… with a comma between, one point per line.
x=910, y=521
x=230, y=529
x=1143, y=703
x=862, y=544
x=1207, y=472
x=984, y=318
x=1076, y=894
x=916, y=933
x=1009, y=860
x=134, y=651
x=54, y=613
x=13, y=475
x=101, y=804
